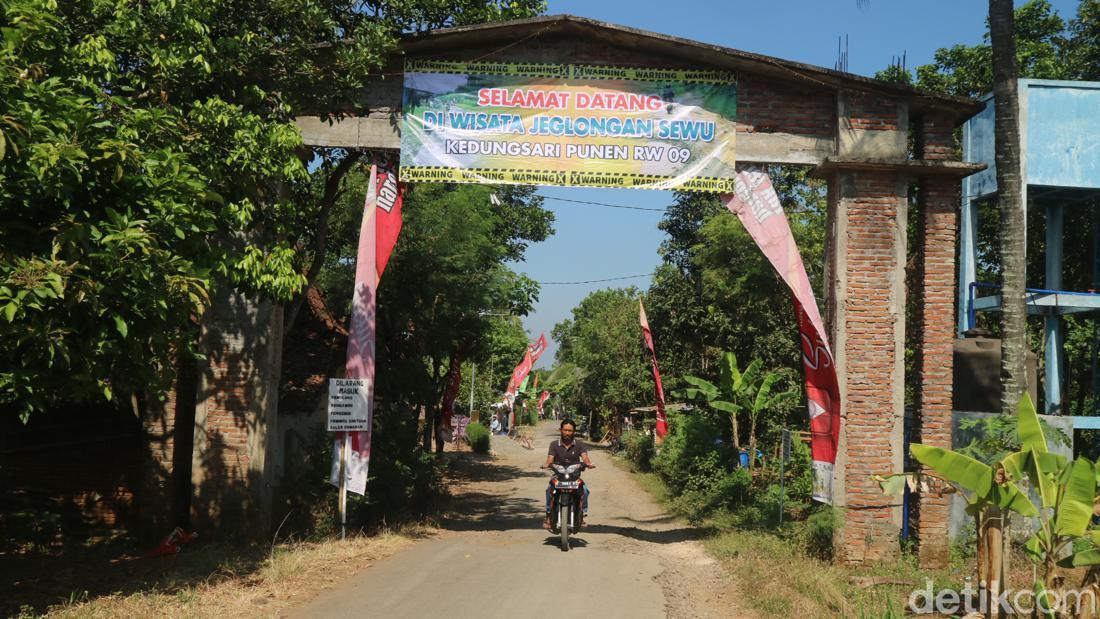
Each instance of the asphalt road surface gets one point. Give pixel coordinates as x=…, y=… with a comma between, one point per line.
x=494, y=559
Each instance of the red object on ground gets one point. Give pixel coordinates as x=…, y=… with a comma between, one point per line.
x=172, y=544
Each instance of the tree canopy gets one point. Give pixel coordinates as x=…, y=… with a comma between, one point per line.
x=148, y=155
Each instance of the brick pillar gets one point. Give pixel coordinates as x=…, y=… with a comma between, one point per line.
x=869, y=214
x=936, y=322
x=236, y=415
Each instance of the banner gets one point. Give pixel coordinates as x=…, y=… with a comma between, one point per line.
x=568, y=125
x=543, y=397
x=662, y=417
x=757, y=205
x=360, y=356
x=391, y=195
x=378, y=232
x=538, y=347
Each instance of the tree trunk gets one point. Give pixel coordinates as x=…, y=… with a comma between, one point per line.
x=991, y=557
x=736, y=433
x=1009, y=195
x=752, y=447
x=320, y=241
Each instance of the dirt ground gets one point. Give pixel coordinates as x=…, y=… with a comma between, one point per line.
x=493, y=559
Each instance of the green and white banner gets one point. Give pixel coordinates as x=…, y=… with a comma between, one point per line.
x=569, y=125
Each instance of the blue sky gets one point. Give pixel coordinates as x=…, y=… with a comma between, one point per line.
x=597, y=242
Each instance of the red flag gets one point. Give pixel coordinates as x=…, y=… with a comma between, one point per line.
x=391, y=194
x=538, y=347
x=757, y=205
x=518, y=375
x=536, y=386
x=662, y=418
x=543, y=397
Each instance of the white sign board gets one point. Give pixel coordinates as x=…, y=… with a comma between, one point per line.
x=348, y=404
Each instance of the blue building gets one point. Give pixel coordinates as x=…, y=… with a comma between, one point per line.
x=1060, y=143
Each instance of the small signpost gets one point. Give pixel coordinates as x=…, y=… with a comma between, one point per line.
x=348, y=411
x=784, y=455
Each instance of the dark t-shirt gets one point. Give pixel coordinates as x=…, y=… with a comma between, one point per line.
x=566, y=455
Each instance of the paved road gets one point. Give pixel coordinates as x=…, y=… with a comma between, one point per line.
x=494, y=559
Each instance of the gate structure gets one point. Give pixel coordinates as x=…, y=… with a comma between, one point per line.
x=883, y=148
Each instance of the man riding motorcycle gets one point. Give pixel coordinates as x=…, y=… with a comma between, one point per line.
x=566, y=451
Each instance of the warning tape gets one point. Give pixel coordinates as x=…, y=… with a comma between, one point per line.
x=572, y=178
x=571, y=71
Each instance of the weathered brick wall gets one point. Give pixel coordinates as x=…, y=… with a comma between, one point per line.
x=873, y=317
x=868, y=111
x=769, y=106
x=936, y=320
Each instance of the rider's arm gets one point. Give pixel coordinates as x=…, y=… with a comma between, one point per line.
x=587, y=462
x=549, y=461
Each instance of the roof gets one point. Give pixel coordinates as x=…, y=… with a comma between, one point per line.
x=693, y=53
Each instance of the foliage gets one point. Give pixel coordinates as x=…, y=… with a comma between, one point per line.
x=639, y=449
x=995, y=437
x=716, y=291
x=445, y=286
x=479, y=437
x=1066, y=491
x=604, y=342
x=740, y=393
x=147, y=156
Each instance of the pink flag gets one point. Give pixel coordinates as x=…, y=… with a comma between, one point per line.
x=543, y=397
x=757, y=205
x=360, y=356
x=662, y=417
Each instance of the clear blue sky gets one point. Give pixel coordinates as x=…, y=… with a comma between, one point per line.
x=596, y=242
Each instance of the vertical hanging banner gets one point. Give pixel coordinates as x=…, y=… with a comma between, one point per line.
x=757, y=205
x=543, y=397
x=568, y=125
x=378, y=232
x=662, y=417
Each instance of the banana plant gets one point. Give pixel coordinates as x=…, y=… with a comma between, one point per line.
x=728, y=395
x=1066, y=492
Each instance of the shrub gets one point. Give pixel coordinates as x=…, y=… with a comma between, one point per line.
x=817, y=534
x=479, y=438
x=638, y=447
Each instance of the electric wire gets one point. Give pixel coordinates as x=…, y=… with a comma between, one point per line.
x=595, y=281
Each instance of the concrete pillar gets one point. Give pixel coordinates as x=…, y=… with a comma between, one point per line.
x=868, y=212
x=1052, y=323
x=935, y=284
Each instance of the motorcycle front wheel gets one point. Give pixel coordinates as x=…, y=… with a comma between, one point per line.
x=563, y=525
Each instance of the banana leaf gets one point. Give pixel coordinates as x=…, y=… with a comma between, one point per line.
x=1031, y=433
x=1081, y=559
x=1075, y=510
x=956, y=468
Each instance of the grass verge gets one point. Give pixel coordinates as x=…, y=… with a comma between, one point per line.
x=220, y=581
x=782, y=570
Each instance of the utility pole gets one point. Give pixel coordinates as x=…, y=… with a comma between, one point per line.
x=473, y=373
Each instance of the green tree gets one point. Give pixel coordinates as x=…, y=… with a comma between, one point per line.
x=147, y=155
x=603, y=342
x=443, y=285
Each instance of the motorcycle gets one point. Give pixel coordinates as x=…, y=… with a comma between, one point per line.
x=567, y=495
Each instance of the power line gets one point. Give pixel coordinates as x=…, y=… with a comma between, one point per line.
x=595, y=281
x=633, y=208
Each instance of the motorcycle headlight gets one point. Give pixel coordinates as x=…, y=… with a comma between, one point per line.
x=559, y=468
x=573, y=468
